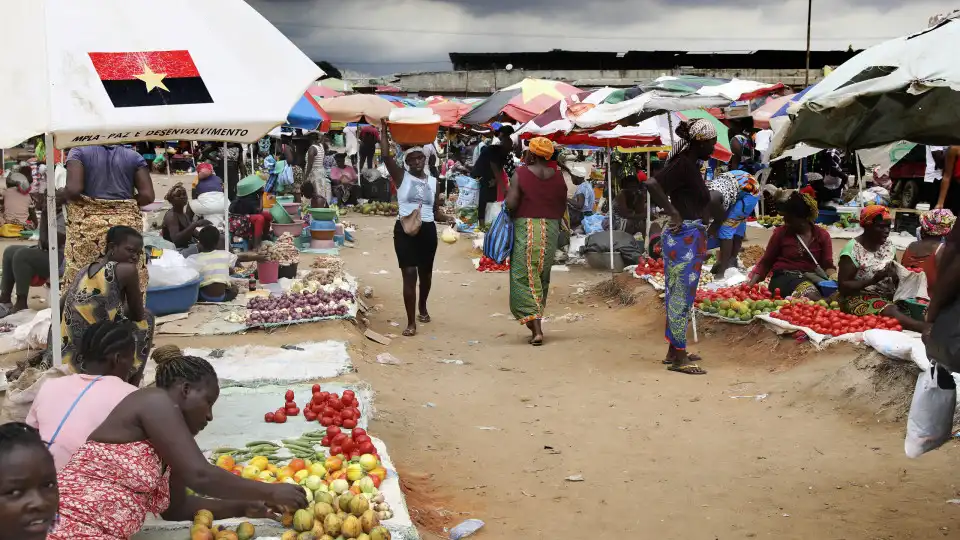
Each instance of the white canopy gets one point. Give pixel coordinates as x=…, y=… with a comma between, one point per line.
x=110, y=71
x=93, y=72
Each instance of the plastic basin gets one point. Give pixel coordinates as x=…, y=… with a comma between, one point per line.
x=322, y=235
x=317, y=225
x=280, y=215
x=292, y=208
x=828, y=217
x=173, y=299
x=322, y=244
x=285, y=199
x=413, y=134
x=295, y=228
x=323, y=214
x=828, y=288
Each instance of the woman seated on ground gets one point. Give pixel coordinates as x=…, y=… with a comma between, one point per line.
x=925, y=253
x=18, y=206
x=214, y=264
x=799, y=254
x=28, y=266
x=311, y=197
x=868, y=271
x=108, y=290
x=733, y=196
x=177, y=225
x=28, y=480
x=344, y=179
x=143, y=457
x=248, y=219
x=67, y=409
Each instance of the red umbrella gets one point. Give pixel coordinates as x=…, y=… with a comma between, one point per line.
x=522, y=101
x=450, y=111
x=320, y=92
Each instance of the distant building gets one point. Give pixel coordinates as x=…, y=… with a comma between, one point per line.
x=482, y=73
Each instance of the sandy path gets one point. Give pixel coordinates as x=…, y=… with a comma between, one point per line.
x=662, y=455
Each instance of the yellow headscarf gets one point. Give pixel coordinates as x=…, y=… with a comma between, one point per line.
x=542, y=146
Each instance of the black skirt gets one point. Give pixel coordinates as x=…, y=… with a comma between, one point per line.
x=416, y=251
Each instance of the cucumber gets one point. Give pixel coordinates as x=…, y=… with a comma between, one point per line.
x=225, y=450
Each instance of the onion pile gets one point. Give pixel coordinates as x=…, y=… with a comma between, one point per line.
x=299, y=307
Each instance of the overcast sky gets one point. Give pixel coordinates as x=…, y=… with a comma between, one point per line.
x=389, y=36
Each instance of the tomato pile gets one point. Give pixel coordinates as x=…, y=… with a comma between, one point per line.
x=649, y=267
x=832, y=322
x=489, y=265
x=740, y=293
x=327, y=407
x=351, y=445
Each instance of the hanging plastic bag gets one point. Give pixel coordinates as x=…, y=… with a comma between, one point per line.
x=930, y=422
x=498, y=241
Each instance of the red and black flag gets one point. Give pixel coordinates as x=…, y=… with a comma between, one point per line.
x=148, y=79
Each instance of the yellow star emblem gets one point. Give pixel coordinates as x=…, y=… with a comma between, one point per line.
x=532, y=88
x=151, y=79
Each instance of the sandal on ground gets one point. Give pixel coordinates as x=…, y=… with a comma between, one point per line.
x=694, y=357
x=409, y=332
x=423, y=318
x=688, y=369
x=537, y=341
x=5, y=309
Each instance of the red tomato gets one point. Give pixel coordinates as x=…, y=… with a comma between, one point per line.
x=333, y=431
x=335, y=450
x=348, y=393
x=315, y=389
x=359, y=431
x=366, y=447
x=309, y=416
x=360, y=439
x=337, y=405
x=293, y=411
x=348, y=445
x=268, y=417
x=354, y=455
x=317, y=397
x=328, y=411
x=350, y=423
x=280, y=417
x=376, y=479
x=326, y=421
x=325, y=441
x=289, y=403
x=289, y=395
x=338, y=438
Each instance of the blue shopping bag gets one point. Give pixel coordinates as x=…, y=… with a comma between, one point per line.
x=498, y=242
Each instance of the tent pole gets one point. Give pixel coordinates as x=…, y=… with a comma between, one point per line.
x=226, y=198
x=610, y=202
x=646, y=235
x=166, y=158
x=53, y=252
x=253, y=161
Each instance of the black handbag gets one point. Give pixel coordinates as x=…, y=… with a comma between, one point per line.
x=943, y=344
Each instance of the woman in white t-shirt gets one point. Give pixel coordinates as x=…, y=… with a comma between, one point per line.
x=416, y=191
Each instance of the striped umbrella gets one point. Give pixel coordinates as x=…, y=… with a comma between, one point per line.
x=521, y=102
x=307, y=114
x=721, y=151
x=319, y=91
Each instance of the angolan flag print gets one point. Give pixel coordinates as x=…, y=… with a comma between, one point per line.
x=150, y=79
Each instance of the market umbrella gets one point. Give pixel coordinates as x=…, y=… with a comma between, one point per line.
x=559, y=123
x=336, y=84
x=669, y=94
x=722, y=149
x=356, y=107
x=112, y=82
x=319, y=91
x=763, y=114
x=449, y=111
x=307, y=114
x=904, y=89
x=521, y=101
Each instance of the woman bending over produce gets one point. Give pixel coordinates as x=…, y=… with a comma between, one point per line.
x=868, y=271
x=799, y=254
x=144, y=457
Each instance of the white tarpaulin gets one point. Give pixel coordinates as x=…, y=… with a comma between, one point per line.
x=93, y=72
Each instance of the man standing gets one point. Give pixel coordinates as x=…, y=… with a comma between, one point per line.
x=368, y=146
x=351, y=142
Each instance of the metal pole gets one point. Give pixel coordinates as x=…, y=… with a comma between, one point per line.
x=610, y=201
x=53, y=252
x=166, y=157
x=806, y=76
x=646, y=236
x=226, y=199
x=253, y=162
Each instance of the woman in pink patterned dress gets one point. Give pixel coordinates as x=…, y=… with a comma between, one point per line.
x=143, y=457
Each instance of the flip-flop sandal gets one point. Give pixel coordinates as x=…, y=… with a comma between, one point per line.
x=695, y=357
x=423, y=318
x=688, y=369
x=535, y=343
x=408, y=332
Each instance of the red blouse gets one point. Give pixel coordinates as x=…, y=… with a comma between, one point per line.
x=541, y=198
x=784, y=252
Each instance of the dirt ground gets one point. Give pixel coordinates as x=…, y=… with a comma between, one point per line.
x=662, y=455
